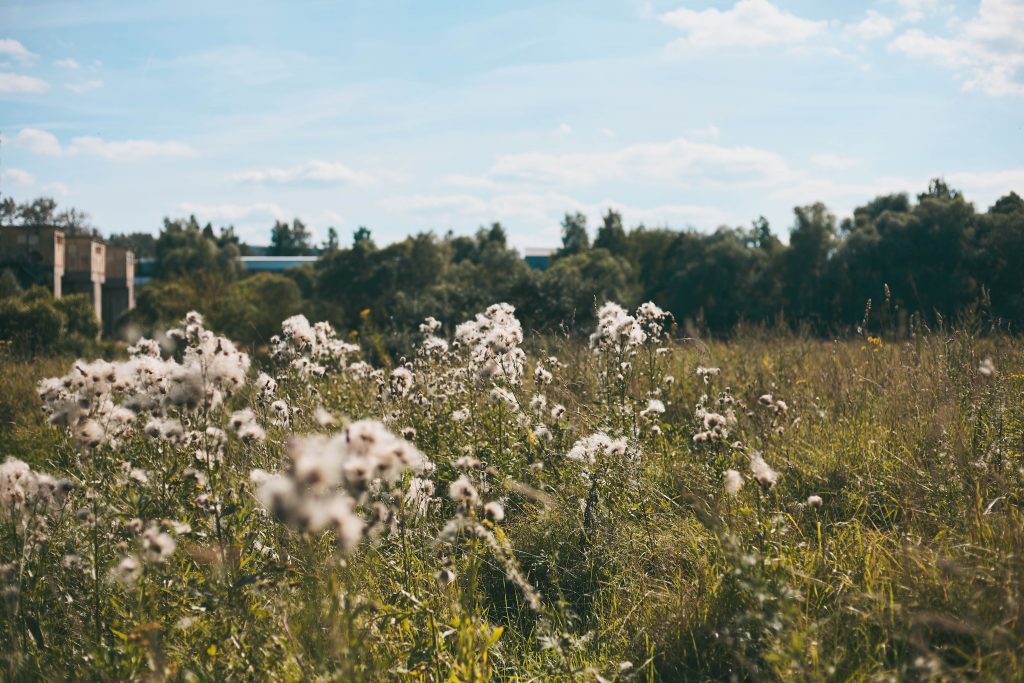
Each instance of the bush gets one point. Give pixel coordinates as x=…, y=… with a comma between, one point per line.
x=33, y=323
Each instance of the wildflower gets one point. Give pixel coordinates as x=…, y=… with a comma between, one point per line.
x=401, y=381
x=467, y=462
x=542, y=433
x=127, y=571
x=493, y=338
x=462, y=491
x=281, y=411
x=494, y=511
x=430, y=325
x=18, y=484
x=814, y=501
x=460, y=415
x=557, y=411
x=617, y=331
x=733, y=482
x=419, y=496
x=653, y=409
x=599, y=444
x=502, y=395
x=707, y=373
x=324, y=418
x=987, y=368
x=765, y=475
x=89, y=434
x=158, y=545
x=444, y=577
x=266, y=386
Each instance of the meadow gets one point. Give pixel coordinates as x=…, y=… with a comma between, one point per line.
x=637, y=506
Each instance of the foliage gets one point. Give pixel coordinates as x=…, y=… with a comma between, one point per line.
x=33, y=322
x=641, y=507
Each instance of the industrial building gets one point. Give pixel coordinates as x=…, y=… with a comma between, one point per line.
x=72, y=265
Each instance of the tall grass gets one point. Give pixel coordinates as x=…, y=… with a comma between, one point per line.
x=911, y=568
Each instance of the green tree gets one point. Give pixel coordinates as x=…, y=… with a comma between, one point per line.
x=289, y=240
x=611, y=235
x=575, y=239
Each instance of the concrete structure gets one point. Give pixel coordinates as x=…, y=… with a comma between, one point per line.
x=34, y=255
x=85, y=269
x=119, y=287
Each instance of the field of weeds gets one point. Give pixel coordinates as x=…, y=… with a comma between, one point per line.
x=640, y=507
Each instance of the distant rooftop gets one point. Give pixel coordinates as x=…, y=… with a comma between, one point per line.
x=538, y=258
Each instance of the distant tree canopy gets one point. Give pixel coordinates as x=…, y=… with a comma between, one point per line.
x=933, y=256
x=290, y=240
x=42, y=212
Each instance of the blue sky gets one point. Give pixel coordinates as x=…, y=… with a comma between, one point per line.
x=410, y=116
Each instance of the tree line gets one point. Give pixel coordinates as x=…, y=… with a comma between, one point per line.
x=933, y=256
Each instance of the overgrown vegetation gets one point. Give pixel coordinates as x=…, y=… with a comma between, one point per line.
x=645, y=506
x=934, y=257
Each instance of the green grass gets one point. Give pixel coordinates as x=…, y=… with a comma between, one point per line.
x=912, y=569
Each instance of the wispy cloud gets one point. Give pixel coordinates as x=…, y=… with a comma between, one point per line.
x=84, y=86
x=749, y=23
x=835, y=162
x=17, y=176
x=233, y=212
x=675, y=161
x=12, y=48
x=38, y=142
x=321, y=172
x=43, y=142
x=130, y=150
x=16, y=83
x=545, y=210
x=873, y=26
x=68, y=63
x=986, y=53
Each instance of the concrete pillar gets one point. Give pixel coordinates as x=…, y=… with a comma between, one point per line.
x=85, y=270
x=119, y=288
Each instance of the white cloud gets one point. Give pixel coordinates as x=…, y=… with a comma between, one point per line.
x=68, y=63
x=873, y=26
x=750, y=23
x=676, y=161
x=564, y=128
x=986, y=52
x=12, y=48
x=57, y=188
x=309, y=172
x=833, y=162
x=234, y=212
x=543, y=210
x=708, y=132
x=608, y=133
x=129, y=150
x=915, y=10
x=43, y=142
x=985, y=187
x=671, y=215
x=84, y=86
x=18, y=176
x=38, y=141
x=12, y=83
